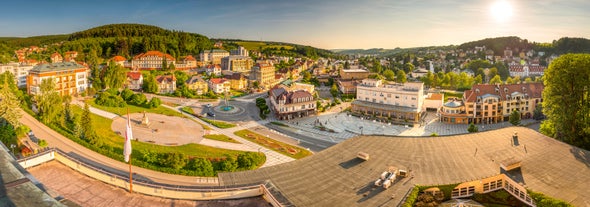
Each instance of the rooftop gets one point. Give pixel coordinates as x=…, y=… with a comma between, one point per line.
x=49, y=67
x=18, y=187
x=335, y=177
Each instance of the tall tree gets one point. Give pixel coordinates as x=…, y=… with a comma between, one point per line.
x=150, y=85
x=496, y=80
x=400, y=77
x=49, y=102
x=114, y=76
x=390, y=75
x=514, y=118
x=8, y=105
x=566, y=99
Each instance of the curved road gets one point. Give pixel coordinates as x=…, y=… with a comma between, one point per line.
x=73, y=149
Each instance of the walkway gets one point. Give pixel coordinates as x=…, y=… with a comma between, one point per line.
x=272, y=157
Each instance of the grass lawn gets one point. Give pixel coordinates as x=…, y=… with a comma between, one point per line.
x=451, y=94
x=102, y=126
x=220, y=137
x=283, y=148
x=134, y=109
x=257, y=45
x=218, y=124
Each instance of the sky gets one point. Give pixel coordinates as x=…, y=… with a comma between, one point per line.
x=328, y=24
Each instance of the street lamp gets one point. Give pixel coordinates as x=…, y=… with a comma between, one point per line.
x=361, y=128
x=12, y=146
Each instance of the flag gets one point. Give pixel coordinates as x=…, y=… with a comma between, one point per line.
x=128, y=137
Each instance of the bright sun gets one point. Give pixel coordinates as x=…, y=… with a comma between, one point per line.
x=501, y=10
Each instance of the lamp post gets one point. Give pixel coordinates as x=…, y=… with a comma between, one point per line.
x=12, y=146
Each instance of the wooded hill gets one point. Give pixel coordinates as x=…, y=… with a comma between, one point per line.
x=127, y=40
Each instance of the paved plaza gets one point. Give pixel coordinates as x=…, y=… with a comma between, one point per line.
x=345, y=126
x=161, y=129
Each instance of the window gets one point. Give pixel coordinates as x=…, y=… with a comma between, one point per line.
x=396, y=96
x=413, y=98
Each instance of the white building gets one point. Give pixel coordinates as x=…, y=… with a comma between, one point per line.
x=19, y=70
x=391, y=102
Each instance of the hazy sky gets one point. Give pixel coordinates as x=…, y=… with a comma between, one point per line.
x=329, y=24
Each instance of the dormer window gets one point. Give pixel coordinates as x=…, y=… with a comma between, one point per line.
x=497, y=90
x=505, y=90
x=477, y=90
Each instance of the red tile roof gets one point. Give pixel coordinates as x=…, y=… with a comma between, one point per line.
x=190, y=58
x=134, y=75
x=217, y=80
x=55, y=55
x=533, y=90
x=119, y=58
x=154, y=53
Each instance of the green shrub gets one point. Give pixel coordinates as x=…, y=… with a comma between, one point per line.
x=42, y=143
x=138, y=99
x=110, y=100
x=542, y=200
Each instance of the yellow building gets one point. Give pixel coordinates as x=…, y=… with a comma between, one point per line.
x=237, y=81
x=197, y=84
x=70, y=77
x=264, y=73
x=486, y=103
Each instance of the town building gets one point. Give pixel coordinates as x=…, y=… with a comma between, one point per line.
x=70, y=56
x=486, y=103
x=151, y=60
x=134, y=80
x=213, y=56
x=237, y=63
x=120, y=60
x=19, y=70
x=219, y=85
x=357, y=72
x=187, y=63
x=264, y=74
x=213, y=69
x=291, y=104
x=399, y=103
x=197, y=84
x=70, y=78
x=525, y=70
x=56, y=58
x=166, y=83
x=240, y=51
x=347, y=87
x=237, y=80
x=433, y=101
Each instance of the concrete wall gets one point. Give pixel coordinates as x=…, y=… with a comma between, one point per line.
x=37, y=160
x=122, y=182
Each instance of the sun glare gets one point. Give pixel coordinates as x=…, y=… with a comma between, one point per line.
x=501, y=10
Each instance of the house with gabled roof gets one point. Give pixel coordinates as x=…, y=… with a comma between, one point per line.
x=134, y=80
x=166, y=83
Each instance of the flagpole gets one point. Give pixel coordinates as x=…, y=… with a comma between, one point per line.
x=130, y=173
x=130, y=177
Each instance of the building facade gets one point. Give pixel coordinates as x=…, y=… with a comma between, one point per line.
x=197, y=84
x=19, y=70
x=264, y=74
x=219, y=85
x=291, y=104
x=70, y=78
x=237, y=63
x=151, y=60
x=486, y=103
x=166, y=83
x=213, y=56
x=241, y=51
x=389, y=102
x=357, y=72
x=134, y=80
x=237, y=81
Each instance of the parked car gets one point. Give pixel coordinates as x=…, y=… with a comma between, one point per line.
x=211, y=114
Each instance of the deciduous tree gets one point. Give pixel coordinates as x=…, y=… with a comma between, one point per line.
x=566, y=99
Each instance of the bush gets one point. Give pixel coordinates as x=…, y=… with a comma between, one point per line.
x=138, y=99
x=228, y=165
x=201, y=166
x=42, y=143
x=434, y=134
x=472, y=128
x=250, y=160
x=154, y=103
x=110, y=100
x=126, y=94
x=542, y=200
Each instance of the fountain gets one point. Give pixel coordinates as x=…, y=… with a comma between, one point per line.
x=227, y=107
